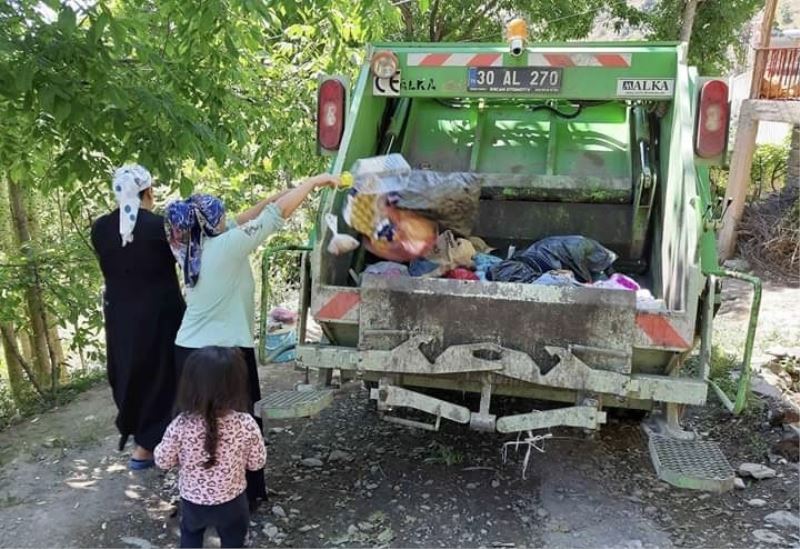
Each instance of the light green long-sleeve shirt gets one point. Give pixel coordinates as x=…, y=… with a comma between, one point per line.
x=220, y=308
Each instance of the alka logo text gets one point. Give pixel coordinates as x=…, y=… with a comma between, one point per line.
x=645, y=87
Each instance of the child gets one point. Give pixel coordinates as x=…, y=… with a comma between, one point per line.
x=214, y=441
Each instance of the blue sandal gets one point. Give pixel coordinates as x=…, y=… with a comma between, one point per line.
x=140, y=464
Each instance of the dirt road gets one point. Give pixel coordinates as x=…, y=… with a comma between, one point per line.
x=348, y=479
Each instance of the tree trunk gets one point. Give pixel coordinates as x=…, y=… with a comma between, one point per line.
x=16, y=377
x=10, y=346
x=687, y=20
x=55, y=350
x=43, y=359
x=16, y=380
x=408, y=21
x=54, y=342
x=793, y=171
x=27, y=348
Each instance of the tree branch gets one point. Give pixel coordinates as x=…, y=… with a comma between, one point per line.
x=408, y=20
x=473, y=22
x=432, y=30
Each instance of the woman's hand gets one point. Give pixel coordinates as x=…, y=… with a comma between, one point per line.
x=324, y=180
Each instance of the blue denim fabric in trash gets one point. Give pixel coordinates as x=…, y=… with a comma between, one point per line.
x=421, y=267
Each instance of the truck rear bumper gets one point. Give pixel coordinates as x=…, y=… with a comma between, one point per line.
x=497, y=365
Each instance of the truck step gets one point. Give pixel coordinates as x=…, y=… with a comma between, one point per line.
x=293, y=404
x=692, y=464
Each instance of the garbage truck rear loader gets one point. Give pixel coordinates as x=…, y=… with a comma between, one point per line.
x=611, y=141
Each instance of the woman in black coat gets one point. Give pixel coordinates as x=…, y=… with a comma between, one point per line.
x=143, y=308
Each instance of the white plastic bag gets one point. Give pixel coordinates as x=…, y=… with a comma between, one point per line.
x=340, y=243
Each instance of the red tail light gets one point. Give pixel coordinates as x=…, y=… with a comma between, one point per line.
x=713, y=115
x=331, y=100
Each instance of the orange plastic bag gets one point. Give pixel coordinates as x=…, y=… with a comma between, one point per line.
x=414, y=237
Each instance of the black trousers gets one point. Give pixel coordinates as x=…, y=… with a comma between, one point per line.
x=256, y=485
x=230, y=519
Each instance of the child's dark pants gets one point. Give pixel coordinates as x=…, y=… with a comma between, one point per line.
x=231, y=520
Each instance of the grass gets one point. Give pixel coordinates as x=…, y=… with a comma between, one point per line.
x=444, y=455
x=722, y=369
x=11, y=412
x=10, y=501
x=724, y=372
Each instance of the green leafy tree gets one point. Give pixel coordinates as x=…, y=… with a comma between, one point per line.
x=720, y=27
x=483, y=20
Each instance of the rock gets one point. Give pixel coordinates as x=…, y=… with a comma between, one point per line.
x=782, y=411
x=739, y=484
x=136, y=542
x=278, y=511
x=738, y=264
x=495, y=483
x=311, y=462
x=271, y=531
x=371, y=486
x=338, y=455
x=472, y=485
x=780, y=351
x=784, y=519
x=788, y=447
x=765, y=536
x=764, y=388
x=650, y=510
x=308, y=527
x=542, y=513
x=352, y=530
x=385, y=536
x=756, y=470
x=757, y=502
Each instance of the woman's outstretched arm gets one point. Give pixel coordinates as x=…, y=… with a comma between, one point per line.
x=254, y=211
x=290, y=200
x=248, y=236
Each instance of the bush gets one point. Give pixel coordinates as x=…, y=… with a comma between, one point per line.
x=767, y=174
x=8, y=410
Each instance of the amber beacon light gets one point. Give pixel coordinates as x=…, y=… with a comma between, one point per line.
x=516, y=35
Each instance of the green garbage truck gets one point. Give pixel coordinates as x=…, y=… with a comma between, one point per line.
x=612, y=141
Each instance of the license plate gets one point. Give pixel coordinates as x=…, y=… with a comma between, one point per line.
x=516, y=79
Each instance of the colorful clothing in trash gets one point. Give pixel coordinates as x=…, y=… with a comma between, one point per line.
x=413, y=236
x=188, y=222
x=128, y=182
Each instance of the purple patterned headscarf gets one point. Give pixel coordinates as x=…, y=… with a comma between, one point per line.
x=187, y=223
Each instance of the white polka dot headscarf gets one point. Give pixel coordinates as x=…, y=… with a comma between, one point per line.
x=128, y=182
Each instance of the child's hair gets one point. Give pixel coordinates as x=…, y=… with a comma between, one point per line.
x=214, y=381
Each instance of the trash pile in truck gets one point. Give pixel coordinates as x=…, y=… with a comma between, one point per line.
x=419, y=222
